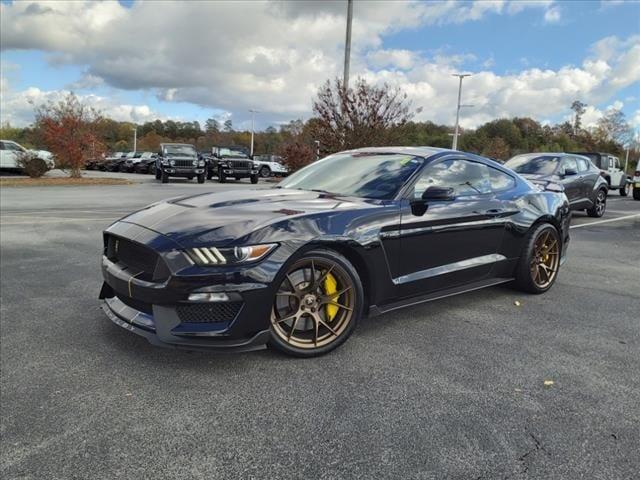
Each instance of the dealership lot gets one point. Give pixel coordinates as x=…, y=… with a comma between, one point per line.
x=453, y=388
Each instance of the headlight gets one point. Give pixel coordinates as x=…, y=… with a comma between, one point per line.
x=211, y=256
x=255, y=165
x=201, y=163
x=195, y=163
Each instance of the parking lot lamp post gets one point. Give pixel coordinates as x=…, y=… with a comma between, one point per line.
x=135, y=139
x=347, y=45
x=253, y=112
x=317, y=142
x=454, y=146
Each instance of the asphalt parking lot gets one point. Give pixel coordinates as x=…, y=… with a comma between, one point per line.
x=450, y=389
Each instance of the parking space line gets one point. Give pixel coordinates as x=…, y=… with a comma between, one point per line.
x=606, y=221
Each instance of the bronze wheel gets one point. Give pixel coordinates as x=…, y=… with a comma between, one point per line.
x=545, y=259
x=316, y=306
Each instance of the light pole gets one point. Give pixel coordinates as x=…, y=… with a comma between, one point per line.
x=135, y=139
x=347, y=45
x=454, y=145
x=253, y=112
x=317, y=142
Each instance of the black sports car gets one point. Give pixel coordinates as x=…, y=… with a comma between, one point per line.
x=585, y=188
x=358, y=233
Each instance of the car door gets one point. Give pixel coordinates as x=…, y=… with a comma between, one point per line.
x=3, y=155
x=588, y=176
x=616, y=172
x=449, y=242
x=571, y=182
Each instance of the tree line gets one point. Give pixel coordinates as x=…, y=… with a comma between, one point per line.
x=360, y=116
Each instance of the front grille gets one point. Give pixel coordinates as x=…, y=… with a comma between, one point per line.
x=137, y=259
x=136, y=304
x=240, y=165
x=183, y=163
x=208, y=312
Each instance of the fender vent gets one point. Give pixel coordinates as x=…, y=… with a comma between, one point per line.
x=217, y=312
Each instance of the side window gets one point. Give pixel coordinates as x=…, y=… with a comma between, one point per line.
x=615, y=163
x=583, y=165
x=569, y=163
x=465, y=177
x=1, y=145
x=500, y=180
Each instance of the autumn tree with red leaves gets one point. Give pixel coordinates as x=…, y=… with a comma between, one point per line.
x=361, y=116
x=69, y=129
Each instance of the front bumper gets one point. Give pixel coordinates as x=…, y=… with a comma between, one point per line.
x=239, y=173
x=183, y=172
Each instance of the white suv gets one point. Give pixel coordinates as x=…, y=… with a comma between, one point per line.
x=269, y=165
x=10, y=153
x=636, y=183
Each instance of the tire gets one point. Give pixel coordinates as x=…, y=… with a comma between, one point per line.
x=531, y=276
x=157, y=173
x=209, y=174
x=636, y=193
x=254, y=179
x=222, y=178
x=265, y=172
x=201, y=178
x=624, y=191
x=599, y=206
x=298, y=299
x=164, y=177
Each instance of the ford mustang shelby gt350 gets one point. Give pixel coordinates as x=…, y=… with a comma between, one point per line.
x=356, y=234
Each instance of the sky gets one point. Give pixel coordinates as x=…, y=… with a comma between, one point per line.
x=142, y=60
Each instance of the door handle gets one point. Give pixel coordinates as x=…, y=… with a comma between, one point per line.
x=494, y=212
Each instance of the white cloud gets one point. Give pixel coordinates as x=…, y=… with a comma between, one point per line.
x=171, y=50
x=17, y=107
x=552, y=15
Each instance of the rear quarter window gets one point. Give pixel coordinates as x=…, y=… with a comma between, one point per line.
x=500, y=180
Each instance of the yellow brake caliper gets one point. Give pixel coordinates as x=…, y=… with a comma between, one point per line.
x=330, y=286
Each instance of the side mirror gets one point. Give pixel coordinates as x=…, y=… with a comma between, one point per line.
x=569, y=171
x=438, y=193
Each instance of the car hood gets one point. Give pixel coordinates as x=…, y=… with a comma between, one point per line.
x=224, y=217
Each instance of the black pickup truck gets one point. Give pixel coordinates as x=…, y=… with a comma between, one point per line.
x=179, y=160
x=231, y=162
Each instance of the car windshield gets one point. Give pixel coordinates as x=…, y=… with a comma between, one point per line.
x=231, y=152
x=146, y=155
x=359, y=174
x=534, y=164
x=183, y=150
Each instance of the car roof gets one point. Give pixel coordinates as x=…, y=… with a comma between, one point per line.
x=181, y=144
x=417, y=151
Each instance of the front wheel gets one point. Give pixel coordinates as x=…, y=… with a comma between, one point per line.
x=164, y=177
x=538, y=267
x=157, y=172
x=254, y=179
x=201, y=178
x=599, y=205
x=265, y=172
x=624, y=191
x=636, y=193
x=317, y=305
x=222, y=177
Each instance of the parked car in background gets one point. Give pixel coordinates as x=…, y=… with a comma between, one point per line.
x=112, y=163
x=231, y=162
x=636, y=183
x=179, y=160
x=146, y=163
x=357, y=233
x=585, y=188
x=611, y=170
x=10, y=153
x=270, y=165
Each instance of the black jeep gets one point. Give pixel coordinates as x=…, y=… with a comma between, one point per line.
x=231, y=162
x=179, y=160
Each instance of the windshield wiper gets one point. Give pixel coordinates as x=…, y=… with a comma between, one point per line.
x=468, y=183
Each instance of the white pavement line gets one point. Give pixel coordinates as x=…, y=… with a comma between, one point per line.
x=606, y=221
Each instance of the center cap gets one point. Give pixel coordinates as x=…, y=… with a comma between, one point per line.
x=310, y=300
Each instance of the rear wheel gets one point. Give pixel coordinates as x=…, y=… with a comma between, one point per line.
x=538, y=267
x=599, y=205
x=624, y=191
x=317, y=305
